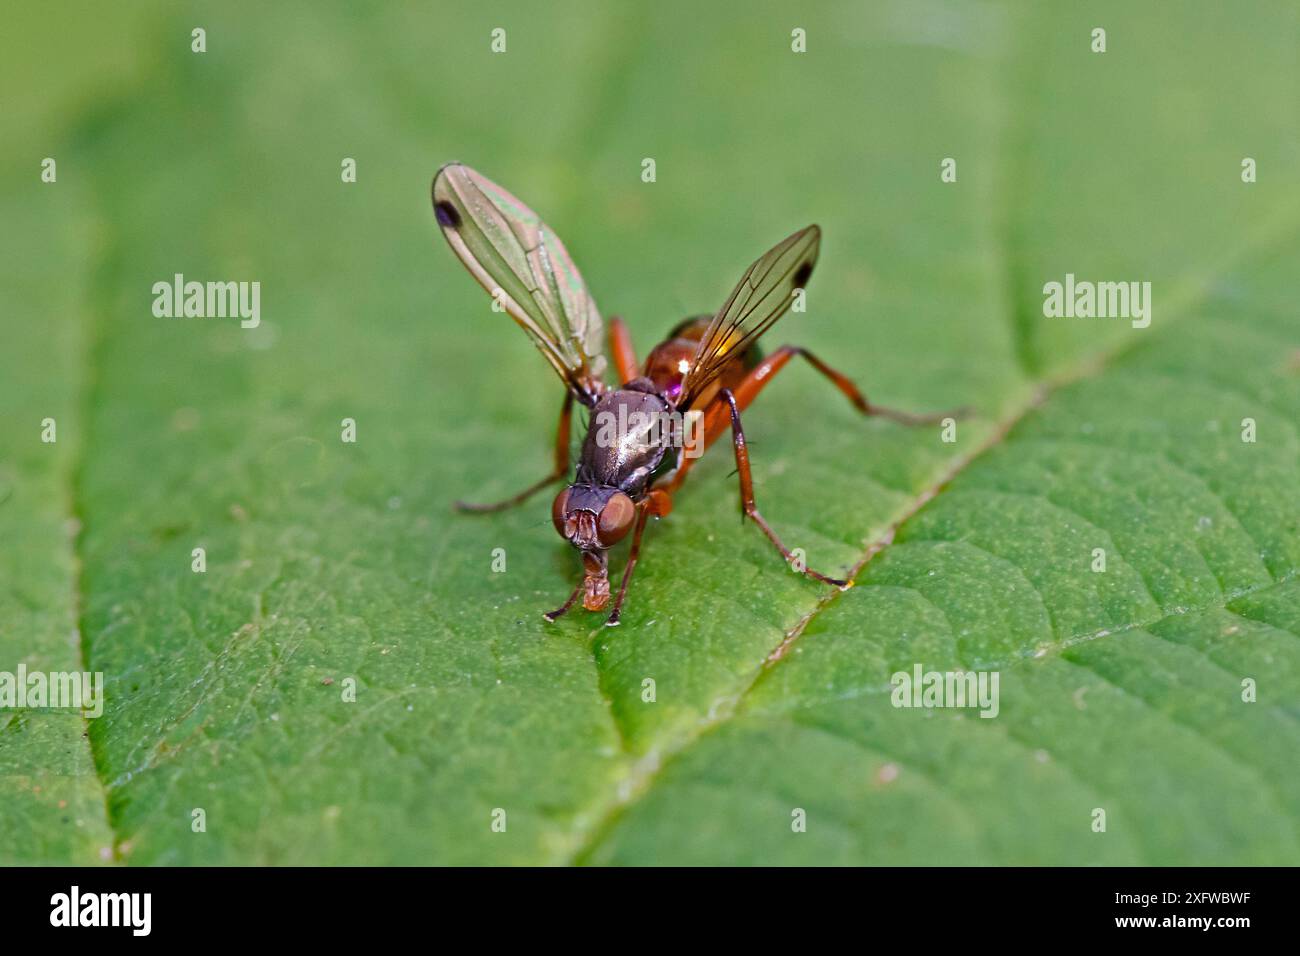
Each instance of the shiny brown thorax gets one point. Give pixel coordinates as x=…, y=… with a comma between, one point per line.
x=618, y=460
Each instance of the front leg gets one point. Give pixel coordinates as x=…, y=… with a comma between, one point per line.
x=563, y=609
x=657, y=504
x=560, y=469
x=747, y=504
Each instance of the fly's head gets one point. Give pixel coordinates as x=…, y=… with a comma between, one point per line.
x=593, y=519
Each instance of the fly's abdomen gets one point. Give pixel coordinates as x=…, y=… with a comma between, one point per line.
x=668, y=364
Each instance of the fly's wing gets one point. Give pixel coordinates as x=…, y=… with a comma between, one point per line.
x=524, y=265
x=764, y=294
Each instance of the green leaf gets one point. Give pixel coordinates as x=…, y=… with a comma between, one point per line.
x=333, y=565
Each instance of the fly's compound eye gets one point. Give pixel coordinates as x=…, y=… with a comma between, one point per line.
x=616, y=519
x=559, y=510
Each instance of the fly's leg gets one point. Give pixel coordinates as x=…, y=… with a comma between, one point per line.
x=747, y=505
x=560, y=469
x=658, y=504
x=717, y=417
x=768, y=367
x=716, y=421
x=642, y=514
x=620, y=348
x=724, y=411
x=563, y=609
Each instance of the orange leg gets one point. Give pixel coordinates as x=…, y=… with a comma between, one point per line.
x=716, y=420
x=560, y=469
x=620, y=346
x=747, y=504
x=748, y=390
x=563, y=609
x=656, y=503
x=717, y=417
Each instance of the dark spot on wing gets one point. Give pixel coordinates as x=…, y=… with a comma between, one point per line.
x=447, y=214
x=802, y=276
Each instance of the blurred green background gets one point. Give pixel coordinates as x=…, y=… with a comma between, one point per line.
x=329, y=561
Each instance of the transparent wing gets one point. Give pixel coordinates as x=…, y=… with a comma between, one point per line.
x=764, y=294
x=520, y=261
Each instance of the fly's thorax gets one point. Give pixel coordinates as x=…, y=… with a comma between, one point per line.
x=627, y=436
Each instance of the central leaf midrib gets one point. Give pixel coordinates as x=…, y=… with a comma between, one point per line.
x=92, y=379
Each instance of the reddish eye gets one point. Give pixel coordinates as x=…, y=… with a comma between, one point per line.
x=559, y=509
x=616, y=519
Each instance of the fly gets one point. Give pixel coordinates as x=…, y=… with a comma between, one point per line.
x=639, y=446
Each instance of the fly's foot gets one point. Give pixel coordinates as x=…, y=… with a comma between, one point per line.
x=563, y=609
